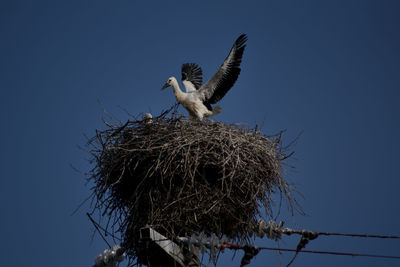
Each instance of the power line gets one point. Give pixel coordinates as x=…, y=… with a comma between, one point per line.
x=252, y=251
x=332, y=253
x=343, y=234
x=275, y=230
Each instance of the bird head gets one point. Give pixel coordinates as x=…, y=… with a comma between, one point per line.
x=168, y=83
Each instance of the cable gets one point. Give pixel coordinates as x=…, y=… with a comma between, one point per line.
x=237, y=247
x=359, y=235
x=333, y=253
x=274, y=231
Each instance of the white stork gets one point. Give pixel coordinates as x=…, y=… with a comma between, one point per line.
x=198, y=99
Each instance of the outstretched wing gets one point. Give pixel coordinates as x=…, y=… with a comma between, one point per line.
x=226, y=76
x=191, y=76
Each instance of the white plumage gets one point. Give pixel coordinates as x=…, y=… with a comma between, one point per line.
x=197, y=99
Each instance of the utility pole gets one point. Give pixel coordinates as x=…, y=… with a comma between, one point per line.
x=157, y=250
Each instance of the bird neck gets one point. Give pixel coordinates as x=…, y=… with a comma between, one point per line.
x=177, y=91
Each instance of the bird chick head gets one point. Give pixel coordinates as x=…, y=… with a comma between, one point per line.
x=169, y=82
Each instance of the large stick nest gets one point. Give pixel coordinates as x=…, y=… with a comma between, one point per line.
x=183, y=177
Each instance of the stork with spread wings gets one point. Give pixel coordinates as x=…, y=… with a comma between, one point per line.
x=198, y=98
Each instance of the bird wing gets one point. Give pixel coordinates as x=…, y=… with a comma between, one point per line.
x=191, y=76
x=226, y=76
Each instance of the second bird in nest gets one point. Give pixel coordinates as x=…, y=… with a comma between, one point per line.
x=198, y=98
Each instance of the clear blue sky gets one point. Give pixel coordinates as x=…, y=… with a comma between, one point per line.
x=328, y=68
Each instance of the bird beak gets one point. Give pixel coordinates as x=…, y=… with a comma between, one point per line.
x=165, y=86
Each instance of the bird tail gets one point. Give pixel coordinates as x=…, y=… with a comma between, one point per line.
x=216, y=110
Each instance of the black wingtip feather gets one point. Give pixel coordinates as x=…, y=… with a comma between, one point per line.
x=225, y=78
x=240, y=45
x=241, y=41
x=193, y=73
